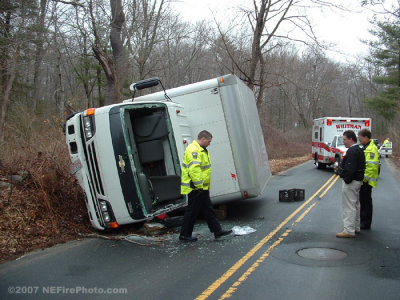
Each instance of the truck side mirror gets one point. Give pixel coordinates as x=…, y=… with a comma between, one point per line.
x=146, y=83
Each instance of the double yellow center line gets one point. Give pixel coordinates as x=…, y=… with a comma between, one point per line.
x=215, y=285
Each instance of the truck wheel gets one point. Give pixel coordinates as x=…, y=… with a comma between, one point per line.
x=336, y=164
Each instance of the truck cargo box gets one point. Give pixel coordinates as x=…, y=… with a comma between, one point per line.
x=226, y=107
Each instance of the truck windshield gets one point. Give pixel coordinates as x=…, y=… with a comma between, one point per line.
x=340, y=141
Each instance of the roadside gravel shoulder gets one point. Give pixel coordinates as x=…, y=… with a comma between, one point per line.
x=394, y=165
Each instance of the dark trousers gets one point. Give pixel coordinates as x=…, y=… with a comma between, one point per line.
x=199, y=203
x=366, y=205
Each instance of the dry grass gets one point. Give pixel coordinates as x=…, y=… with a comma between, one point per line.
x=47, y=207
x=282, y=164
x=283, y=145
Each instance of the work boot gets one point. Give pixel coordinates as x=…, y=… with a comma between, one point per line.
x=344, y=235
x=220, y=233
x=187, y=238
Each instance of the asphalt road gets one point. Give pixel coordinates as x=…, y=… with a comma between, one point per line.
x=263, y=265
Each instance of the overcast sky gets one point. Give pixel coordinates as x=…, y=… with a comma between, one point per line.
x=343, y=28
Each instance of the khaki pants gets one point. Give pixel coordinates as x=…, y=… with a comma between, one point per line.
x=351, y=206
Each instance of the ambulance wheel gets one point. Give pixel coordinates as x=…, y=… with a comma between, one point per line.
x=386, y=156
x=336, y=164
x=319, y=165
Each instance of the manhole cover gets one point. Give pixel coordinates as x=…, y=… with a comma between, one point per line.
x=322, y=253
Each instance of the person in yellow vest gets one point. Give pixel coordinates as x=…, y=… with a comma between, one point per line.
x=196, y=179
x=371, y=174
x=385, y=141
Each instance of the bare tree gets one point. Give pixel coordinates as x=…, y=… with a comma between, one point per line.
x=306, y=84
x=114, y=67
x=39, y=45
x=266, y=18
x=9, y=78
x=182, y=55
x=144, y=18
x=272, y=25
x=14, y=32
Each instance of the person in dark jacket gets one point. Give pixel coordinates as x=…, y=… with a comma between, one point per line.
x=352, y=171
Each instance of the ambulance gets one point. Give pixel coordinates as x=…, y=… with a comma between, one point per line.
x=327, y=139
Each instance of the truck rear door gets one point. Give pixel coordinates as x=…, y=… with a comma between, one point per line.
x=204, y=110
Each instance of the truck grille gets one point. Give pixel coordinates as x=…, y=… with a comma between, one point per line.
x=93, y=178
x=94, y=169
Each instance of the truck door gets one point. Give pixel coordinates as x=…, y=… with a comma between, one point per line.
x=154, y=156
x=334, y=142
x=321, y=133
x=181, y=127
x=205, y=111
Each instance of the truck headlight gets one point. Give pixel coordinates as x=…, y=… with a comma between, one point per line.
x=88, y=123
x=104, y=210
x=108, y=214
x=88, y=127
x=106, y=217
x=103, y=206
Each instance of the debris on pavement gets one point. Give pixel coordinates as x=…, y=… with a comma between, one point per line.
x=237, y=230
x=153, y=228
x=131, y=238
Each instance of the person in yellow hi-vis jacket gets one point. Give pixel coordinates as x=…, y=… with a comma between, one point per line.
x=196, y=179
x=372, y=162
x=385, y=141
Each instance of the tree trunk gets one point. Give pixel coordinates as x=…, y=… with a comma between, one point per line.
x=115, y=69
x=118, y=19
x=61, y=94
x=7, y=74
x=5, y=97
x=260, y=95
x=256, y=46
x=101, y=99
x=38, y=53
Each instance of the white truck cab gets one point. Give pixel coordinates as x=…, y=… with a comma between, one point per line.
x=117, y=153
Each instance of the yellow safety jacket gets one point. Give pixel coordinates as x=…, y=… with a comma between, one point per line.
x=384, y=142
x=371, y=164
x=196, y=169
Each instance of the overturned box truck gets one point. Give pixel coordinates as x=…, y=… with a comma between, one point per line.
x=127, y=157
